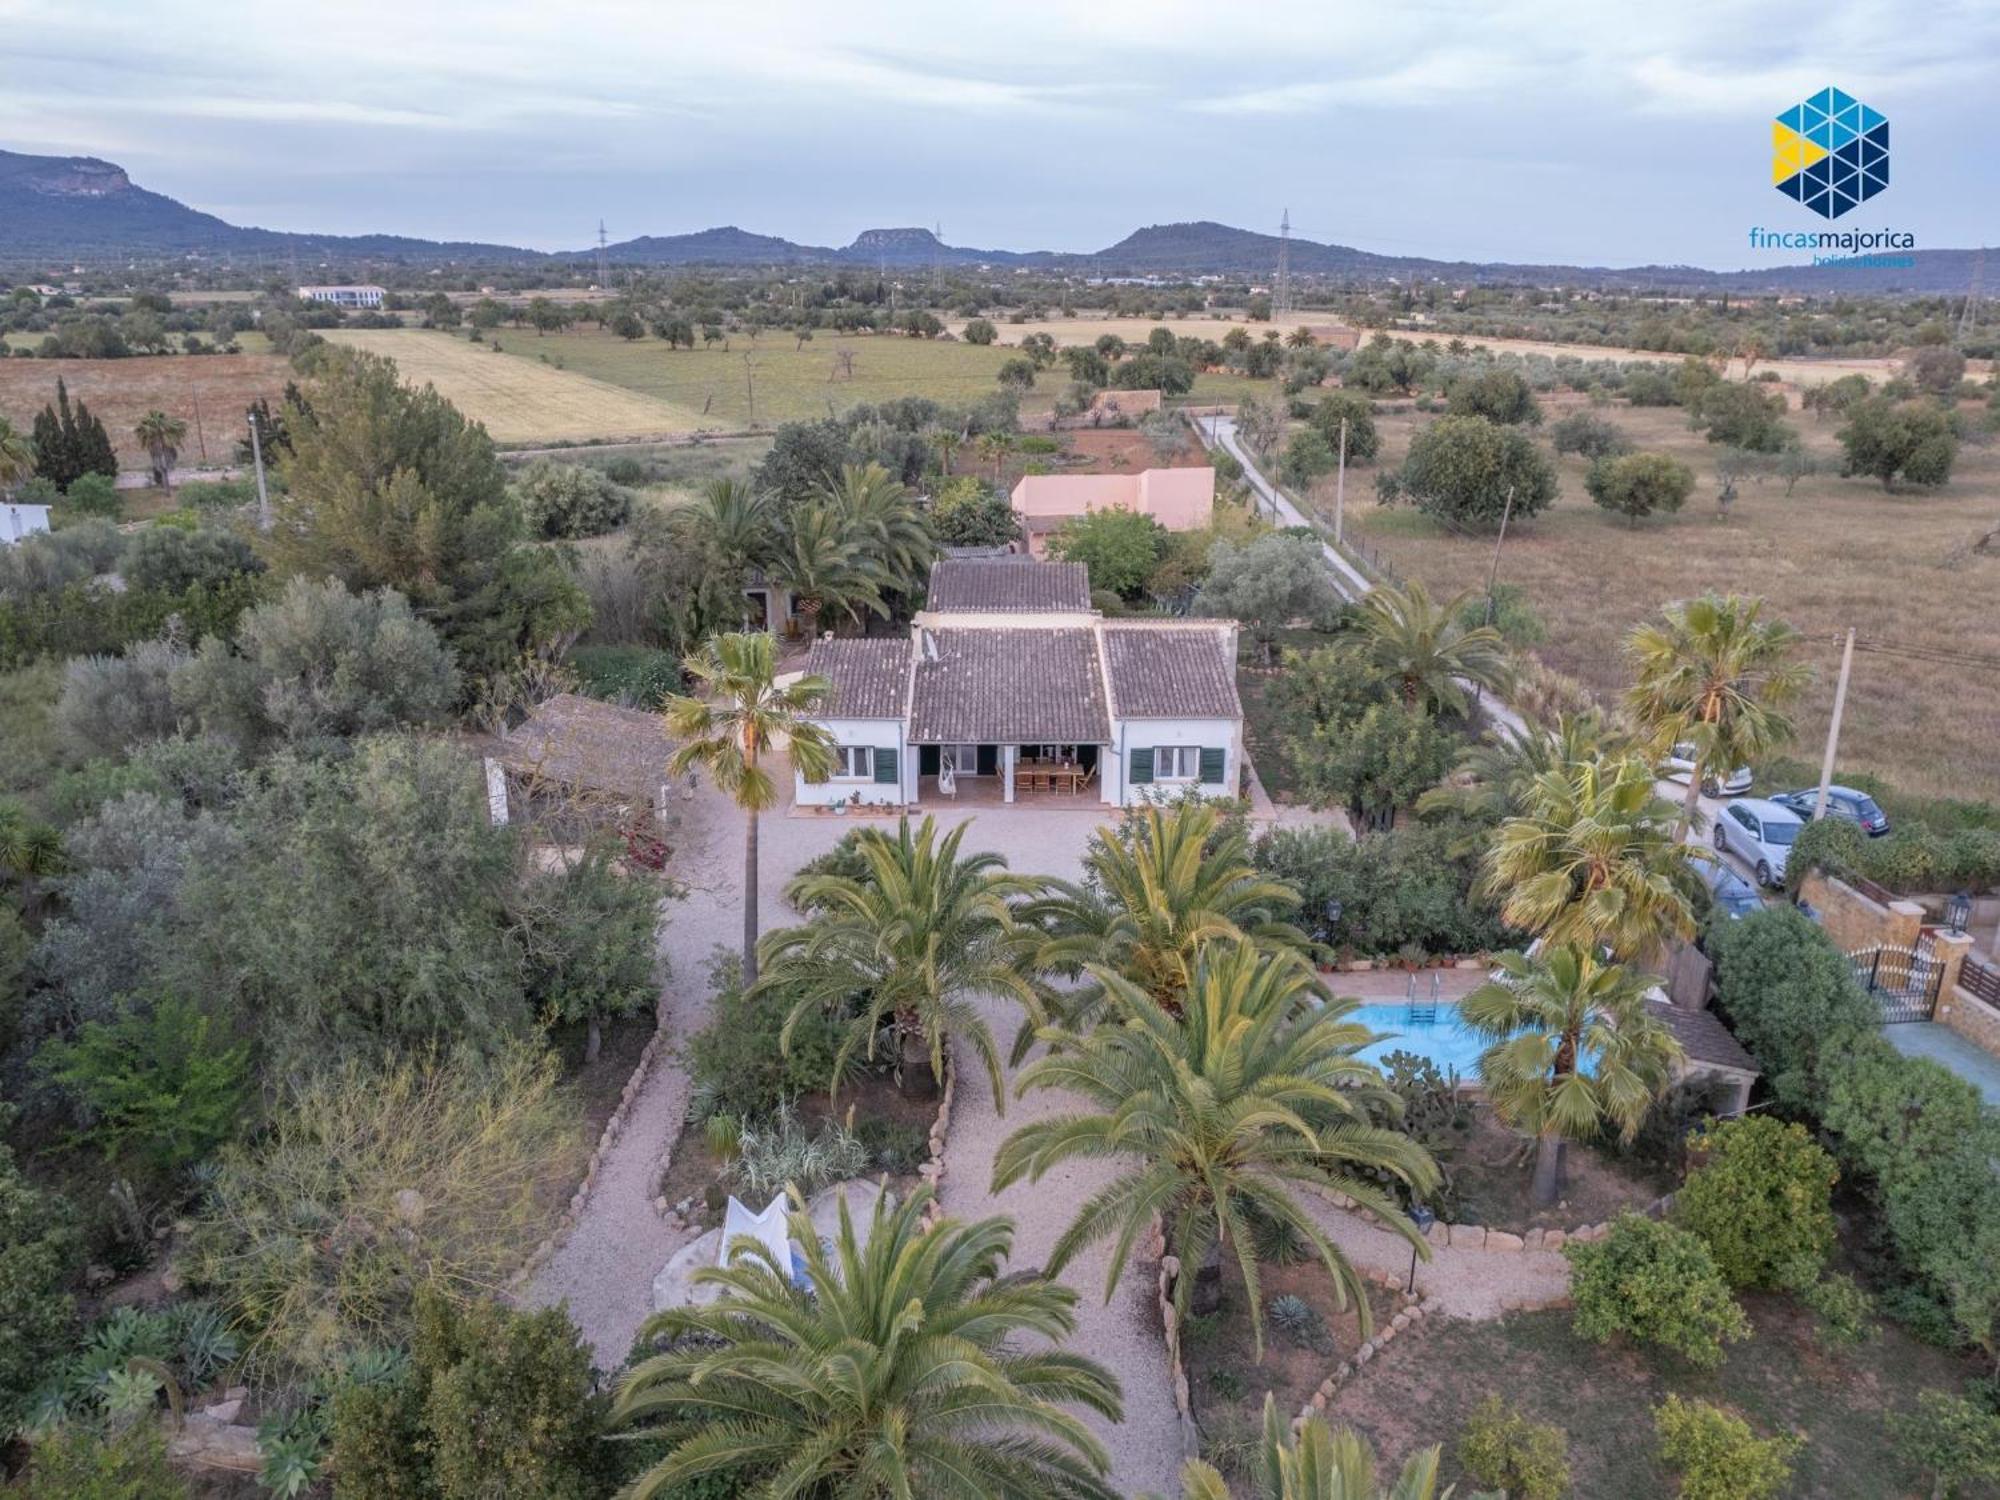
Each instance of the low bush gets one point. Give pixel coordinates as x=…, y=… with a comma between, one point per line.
x=1951, y=1439
x=1718, y=1456
x=1760, y=1196
x=785, y=1151
x=570, y=500
x=1505, y=1451
x=170, y=559
x=1656, y=1284
x=38, y=1255
x=636, y=676
x=80, y=1462
x=1845, y=1310
x=1912, y=857
x=1300, y=1322
x=737, y=1062
x=1587, y=434
x=1791, y=998
x=1410, y=889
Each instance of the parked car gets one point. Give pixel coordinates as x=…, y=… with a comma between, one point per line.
x=1841, y=802
x=1733, y=894
x=1679, y=766
x=1762, y=833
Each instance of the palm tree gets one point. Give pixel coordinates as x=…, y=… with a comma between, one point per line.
x=996, y=446
x=898, y=1369
x=17, y=457
x=1574, y=1049
x=1316, y=1463
x=1430, y=653
x=945, y=441
x=1593, y=860
x=1496, y=773
x=819, y=561
x=1716, y=676
x=1217, y=1113
x=921, y=935
x=738, y=520
x=161, y=436
x=884, y=524
x=742, y=713
x=1150, y=900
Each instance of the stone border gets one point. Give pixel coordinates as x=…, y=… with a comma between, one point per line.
x=931, y=1173
x=1408, y=1313
x=1469, y=962
x=1163, y=1297
x=613, y=1129
x=1479, y=1237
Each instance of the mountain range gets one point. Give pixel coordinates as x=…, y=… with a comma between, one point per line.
x=82, y=209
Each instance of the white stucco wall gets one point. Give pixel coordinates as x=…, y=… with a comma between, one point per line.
x=1155, y=733
x=877, y=734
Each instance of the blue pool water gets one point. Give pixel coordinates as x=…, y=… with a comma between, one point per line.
x=1443, y=1041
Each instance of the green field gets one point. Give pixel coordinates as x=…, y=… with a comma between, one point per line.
x=797, y=383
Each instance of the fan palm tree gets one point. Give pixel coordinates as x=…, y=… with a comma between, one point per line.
x=820, y=561
x=1428, y=651
x=1573, y=1049
x=1218, y=1113
x=885, y=524
x=1716, y=676
x=161, y=436
x=743, y=712
x=899, y=1370
x=1316, y=1463
x=1150, y=900
x=1593, y=860
x=996, y=446
x=922, y=935
x=17, y=457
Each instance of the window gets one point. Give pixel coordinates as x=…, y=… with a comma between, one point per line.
x=1743, y=819
x=853, y=762
x=961, y=759
x=1176, y=762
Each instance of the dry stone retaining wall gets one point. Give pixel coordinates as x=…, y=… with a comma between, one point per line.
x=1479, y=1237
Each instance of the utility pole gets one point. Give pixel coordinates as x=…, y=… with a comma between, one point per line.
x=1340, y=490
x=200, y=437
x=1281, y=292
x=257, y=458
x=750, y=382
x=603, y=277
x=1833, y=729
x=1493, y=573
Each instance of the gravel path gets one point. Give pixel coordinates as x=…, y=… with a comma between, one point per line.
x=1466, y=1283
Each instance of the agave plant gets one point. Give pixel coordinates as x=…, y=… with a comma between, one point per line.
x=1318, y=1464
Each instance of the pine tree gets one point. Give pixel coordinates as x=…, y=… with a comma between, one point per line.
x=95, y=455
x=52, y=455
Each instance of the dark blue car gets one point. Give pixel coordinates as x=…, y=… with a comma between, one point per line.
x=1733, y=894
x=1841, y=802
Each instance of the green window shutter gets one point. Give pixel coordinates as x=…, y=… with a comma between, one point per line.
x=1142, y=767
x=885, y=767
x=1211, y=765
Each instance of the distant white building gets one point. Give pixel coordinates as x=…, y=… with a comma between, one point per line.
x=17, y=521
x=343, y=296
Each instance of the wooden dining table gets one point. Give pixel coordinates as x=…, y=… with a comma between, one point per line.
x=1038, y=777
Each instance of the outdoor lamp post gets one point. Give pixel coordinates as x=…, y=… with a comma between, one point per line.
x=1423, y=1218
x=1333, y=911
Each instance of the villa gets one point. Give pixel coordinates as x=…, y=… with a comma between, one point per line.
x=1180, y=499
x=1011, y=688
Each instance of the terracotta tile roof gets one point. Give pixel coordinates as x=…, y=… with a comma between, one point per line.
x=869, y=677
x=1006, y=585
x=1170, y=672
x=1703, y=1035
x=1007, y=686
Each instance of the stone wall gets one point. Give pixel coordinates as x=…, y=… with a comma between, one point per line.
x=1170, y=1326
x=1971, y=1017
x=1854, y=921
x=932, y=1171
x=1479, y=1237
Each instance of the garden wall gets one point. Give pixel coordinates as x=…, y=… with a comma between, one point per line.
x=1971, y=1017
x=1855, y=921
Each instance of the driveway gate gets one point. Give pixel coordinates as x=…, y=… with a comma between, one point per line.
x=1904, y=981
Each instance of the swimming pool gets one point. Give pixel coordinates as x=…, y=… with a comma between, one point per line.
x=1444, y=1041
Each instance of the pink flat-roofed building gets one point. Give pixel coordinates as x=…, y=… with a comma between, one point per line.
x=1179, y=499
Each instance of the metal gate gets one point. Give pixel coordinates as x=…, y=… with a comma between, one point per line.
x=1904, y=981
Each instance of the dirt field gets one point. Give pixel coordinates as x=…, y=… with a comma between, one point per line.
x=522, y=400
x=208, y=391
x=1795, y=371
x=1836, y=552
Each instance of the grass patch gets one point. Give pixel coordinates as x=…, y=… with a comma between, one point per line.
x=1421, y=1390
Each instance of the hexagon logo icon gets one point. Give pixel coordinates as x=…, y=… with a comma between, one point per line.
x=1830, y=152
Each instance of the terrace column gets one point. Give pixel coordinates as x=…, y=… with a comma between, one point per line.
x=1008, y=754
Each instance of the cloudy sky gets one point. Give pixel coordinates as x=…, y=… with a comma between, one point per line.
x=1563, y=130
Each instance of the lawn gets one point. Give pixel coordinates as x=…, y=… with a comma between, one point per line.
x=1421, y=1389
x=522, y=400
x=1836, y=552
x=210, y=392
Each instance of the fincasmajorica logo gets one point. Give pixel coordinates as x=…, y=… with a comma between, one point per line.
x=1830, y=152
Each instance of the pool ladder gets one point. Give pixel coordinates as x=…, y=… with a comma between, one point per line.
x=1422, y=1012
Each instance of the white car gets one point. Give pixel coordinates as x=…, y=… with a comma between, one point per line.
x=1679, y=766
x=1761, y=832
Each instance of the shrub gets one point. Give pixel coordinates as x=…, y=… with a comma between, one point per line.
x=1760, y=1197
x=171, y=559
x=784, y=1151
x=38, y=1253
x=1951, y=1439
x=1844, y=1310
x=570, y=500
x=1791, y=998
x=1512, y=613
x=110, y=704
x=1411, y=887
x=411, y=1176
x=1888, y=440
x=1363, y=441
x=737, y=1064
x=219, y=494
x=636, y=676
x=965, y=513
x=1742, y=416
x=79, y=1462
x=1656, y=1284
x=1299, y=1321
x=1502, y=1449
x=1461, y=470
x=93, y=495
x=1497, y=395
x=1636, y=485
x=1717, y=1454
x=1590, y=435
x=1119, y=547
x=586, y=933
